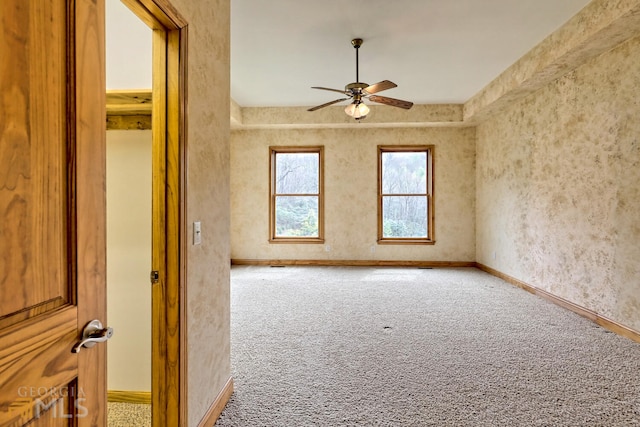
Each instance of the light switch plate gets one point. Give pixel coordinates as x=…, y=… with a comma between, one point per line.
x=197, y=233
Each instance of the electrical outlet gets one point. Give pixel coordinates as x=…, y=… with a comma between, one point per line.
x=327, y=248
x=372, y=249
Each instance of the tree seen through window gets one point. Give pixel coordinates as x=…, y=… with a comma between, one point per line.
x=404, y=194
x=296, y=193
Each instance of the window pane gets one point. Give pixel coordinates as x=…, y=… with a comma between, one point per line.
x=404, y=216
x=404, y=173
x=296, y=216
x=297, y=173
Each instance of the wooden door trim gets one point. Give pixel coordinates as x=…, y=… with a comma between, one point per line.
x=169, y=341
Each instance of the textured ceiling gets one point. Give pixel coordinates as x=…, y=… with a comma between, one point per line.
x=437, y=51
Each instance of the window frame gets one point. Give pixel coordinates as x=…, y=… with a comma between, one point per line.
x=273, y=151
x=430, y=239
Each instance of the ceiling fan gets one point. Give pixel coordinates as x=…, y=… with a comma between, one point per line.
x=358, y=91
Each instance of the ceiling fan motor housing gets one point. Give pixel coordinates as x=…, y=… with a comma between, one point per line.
x=355, y=87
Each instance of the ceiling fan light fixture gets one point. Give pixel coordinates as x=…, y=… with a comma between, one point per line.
x=357, y=110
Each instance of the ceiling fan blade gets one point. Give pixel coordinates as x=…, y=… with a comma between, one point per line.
x=380, y=86
x=332, y=90
x=327, y=104
x=391, y=101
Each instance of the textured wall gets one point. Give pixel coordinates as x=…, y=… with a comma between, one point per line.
x=599, y=27
x=351, y=193
x=207, y=201
x=557, y=187
x=129, y=259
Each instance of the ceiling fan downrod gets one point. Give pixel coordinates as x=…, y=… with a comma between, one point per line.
x=356, y=44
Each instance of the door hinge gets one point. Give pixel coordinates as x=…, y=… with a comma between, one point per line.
x=155, y=276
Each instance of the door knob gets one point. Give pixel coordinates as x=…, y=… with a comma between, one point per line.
x=92, y=334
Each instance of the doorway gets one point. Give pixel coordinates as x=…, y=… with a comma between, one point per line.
x=164, y=153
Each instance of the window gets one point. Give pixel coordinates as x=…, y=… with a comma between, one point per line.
x=296, y=206
x=405, y=197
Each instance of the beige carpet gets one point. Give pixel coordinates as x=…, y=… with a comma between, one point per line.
x=418, y=347
x=128, y=415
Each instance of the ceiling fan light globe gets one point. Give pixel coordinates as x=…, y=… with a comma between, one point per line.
x=362, y=109
x=357, y=110
x=350, y=109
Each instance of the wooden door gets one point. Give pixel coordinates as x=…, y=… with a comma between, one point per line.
x=52, y=211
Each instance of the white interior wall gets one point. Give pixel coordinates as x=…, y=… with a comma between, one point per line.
x=128, y=48
x=129, y=259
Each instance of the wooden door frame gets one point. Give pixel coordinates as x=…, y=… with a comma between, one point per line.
x=169, y=120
